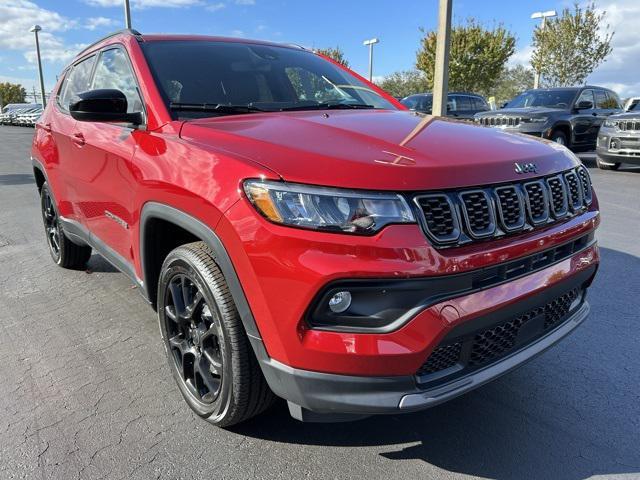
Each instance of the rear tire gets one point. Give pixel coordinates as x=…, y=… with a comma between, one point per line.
x=63, y=251
x=602, y=165
x=207, y=348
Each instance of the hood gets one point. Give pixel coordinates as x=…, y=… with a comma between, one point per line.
x=519, y=112
x=377, y=149
x=625, y=116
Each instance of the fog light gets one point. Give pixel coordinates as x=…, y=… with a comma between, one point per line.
x=340, y=302
x=614, y=144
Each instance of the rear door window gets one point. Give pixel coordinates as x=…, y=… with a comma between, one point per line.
x=479, y=104
x=614, y=101
x=463, y=103
x=602, y=101
x=78, y=80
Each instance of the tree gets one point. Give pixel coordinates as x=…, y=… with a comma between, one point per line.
x=477, y=56
x=571, y=46
x=11, y=93
x=402, y=84
x=511, y=82
x=335, y=54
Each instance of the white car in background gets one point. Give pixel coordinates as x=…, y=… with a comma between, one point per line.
x=631, y=103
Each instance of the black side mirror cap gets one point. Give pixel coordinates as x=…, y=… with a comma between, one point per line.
x=584, y=105
x=103, y=105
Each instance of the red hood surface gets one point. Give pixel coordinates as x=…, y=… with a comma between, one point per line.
x=377, y=149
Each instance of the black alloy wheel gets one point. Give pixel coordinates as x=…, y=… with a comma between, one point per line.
x=51, y=226
x=208, y=350
x=194, y=338
x=64, y=252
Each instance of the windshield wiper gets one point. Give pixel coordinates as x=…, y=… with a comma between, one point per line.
x=328, y=106
x=214, y=108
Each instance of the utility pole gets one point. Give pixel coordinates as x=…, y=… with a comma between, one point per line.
x=127, y=14
x=441, y=75
x=543, y=16
x=370, y=43
x=35, y=29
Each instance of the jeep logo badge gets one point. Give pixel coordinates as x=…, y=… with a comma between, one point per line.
x=526, y=168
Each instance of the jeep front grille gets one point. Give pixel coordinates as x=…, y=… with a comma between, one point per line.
x=629, y=125
x=461, y=216
x=500, y=121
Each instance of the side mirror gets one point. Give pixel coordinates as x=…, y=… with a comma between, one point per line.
x=584, y=105
x=104, y=105
x=504, y=104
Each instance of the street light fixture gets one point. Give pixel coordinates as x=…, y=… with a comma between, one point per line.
x=35, y=29
x=370, y=43
x=543, y=16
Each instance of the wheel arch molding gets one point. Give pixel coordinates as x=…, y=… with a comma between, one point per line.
x=564, y=126
x=153, y=212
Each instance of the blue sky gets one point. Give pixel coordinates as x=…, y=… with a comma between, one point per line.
x=70, y=24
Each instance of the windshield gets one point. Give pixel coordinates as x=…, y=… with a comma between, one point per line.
x=423, y=103
x=195, y=77
x=543, y=98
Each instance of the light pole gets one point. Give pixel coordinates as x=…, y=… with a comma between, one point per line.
x=441, y=74
x=35, y=29
x=543, y=16
x=127, y=15
x=370, y=43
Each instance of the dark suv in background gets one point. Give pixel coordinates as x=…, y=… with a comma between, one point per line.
x=459, y=104
x=569, y=116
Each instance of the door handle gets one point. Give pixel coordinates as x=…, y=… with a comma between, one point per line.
x=78, y=139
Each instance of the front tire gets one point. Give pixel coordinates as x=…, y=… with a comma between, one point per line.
x=602, y=165
x=207, y=348
x=63, y=251
x=558, y=136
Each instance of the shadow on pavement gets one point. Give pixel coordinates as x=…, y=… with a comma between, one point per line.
x=16, y=179
x=98, y=264
x=570, y=414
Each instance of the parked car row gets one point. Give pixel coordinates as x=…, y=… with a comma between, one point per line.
x=26, y=116
x=580, y=118
x=460, y=105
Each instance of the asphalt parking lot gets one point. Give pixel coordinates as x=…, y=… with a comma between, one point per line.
x=86, y=391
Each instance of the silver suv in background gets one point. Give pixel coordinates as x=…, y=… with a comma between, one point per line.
x=619, y=140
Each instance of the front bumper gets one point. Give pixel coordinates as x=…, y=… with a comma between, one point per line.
x=618, y=147
x=315, y=396
x=281, y=271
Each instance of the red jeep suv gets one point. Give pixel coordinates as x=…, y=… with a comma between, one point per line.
x=301, y=234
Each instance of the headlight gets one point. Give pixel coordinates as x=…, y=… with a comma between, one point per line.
x=327, y=209
x=611, y=123
x=535, y=120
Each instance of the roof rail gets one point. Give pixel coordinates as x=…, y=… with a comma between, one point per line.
x=130, y=31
